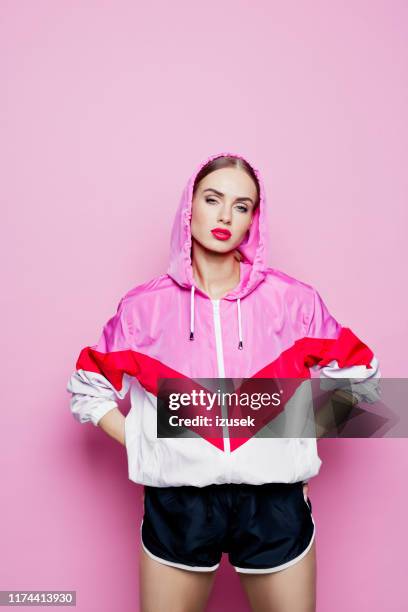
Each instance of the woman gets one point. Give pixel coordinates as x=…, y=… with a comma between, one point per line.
x=218, y=312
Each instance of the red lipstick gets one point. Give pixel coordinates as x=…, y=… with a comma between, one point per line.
x=221, y=233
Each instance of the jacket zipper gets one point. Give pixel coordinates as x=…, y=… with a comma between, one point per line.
x=221, y=368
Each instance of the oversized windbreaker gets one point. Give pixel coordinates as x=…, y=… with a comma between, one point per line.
x=270, y=324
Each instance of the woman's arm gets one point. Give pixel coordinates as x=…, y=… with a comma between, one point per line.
x=113, y=423
x=347, y=367
x=103, y=375
x=343, y=361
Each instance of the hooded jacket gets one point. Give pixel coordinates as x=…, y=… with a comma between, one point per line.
x=270, y=325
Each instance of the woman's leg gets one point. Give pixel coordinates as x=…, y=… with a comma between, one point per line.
x=289, y=590
x=169, y=589
x=164, y=588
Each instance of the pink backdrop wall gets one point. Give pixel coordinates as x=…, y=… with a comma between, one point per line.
x=106, y=108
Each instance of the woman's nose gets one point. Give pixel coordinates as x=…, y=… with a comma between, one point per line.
x=225, y=216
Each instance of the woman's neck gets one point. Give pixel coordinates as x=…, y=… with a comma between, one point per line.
x=215, y=273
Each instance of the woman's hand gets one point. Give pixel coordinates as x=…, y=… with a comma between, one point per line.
x=113, y=423
x=305, y=489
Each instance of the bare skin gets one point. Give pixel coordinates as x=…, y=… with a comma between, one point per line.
x=113, y=423
x=170, y=589
x=290, y=590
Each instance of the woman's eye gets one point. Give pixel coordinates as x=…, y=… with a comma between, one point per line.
x=241, y=208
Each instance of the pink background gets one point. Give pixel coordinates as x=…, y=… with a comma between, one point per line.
x=106, y=109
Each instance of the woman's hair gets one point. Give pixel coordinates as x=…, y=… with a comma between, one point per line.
x=225, y=161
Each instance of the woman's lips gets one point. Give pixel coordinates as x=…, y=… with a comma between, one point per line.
x=221, y=234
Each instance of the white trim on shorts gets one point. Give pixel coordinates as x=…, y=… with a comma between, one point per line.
x=192, y=568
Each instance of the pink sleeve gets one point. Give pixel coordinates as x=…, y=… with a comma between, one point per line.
x=336, y=352
x=103, y=372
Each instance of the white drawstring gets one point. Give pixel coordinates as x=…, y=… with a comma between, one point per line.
x=240, y=345
x=192, y=313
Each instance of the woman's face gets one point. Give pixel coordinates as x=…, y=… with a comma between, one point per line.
x=224, y=200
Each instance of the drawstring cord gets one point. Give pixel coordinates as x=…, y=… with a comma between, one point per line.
x=240, y=344
x=192, y=313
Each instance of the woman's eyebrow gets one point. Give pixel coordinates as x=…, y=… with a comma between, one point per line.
x=222, y=195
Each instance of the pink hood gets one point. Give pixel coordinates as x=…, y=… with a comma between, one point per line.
x=253, y=248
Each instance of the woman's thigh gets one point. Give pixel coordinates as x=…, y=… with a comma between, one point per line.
x=169, y=589
x=289, y=590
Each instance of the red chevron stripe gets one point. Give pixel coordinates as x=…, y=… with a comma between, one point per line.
x=347, y=349
x=146, y=369
x=294, y=363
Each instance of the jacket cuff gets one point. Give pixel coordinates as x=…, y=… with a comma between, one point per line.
x=100, y=411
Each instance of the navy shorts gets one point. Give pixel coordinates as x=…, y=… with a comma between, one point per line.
x=263, y=528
